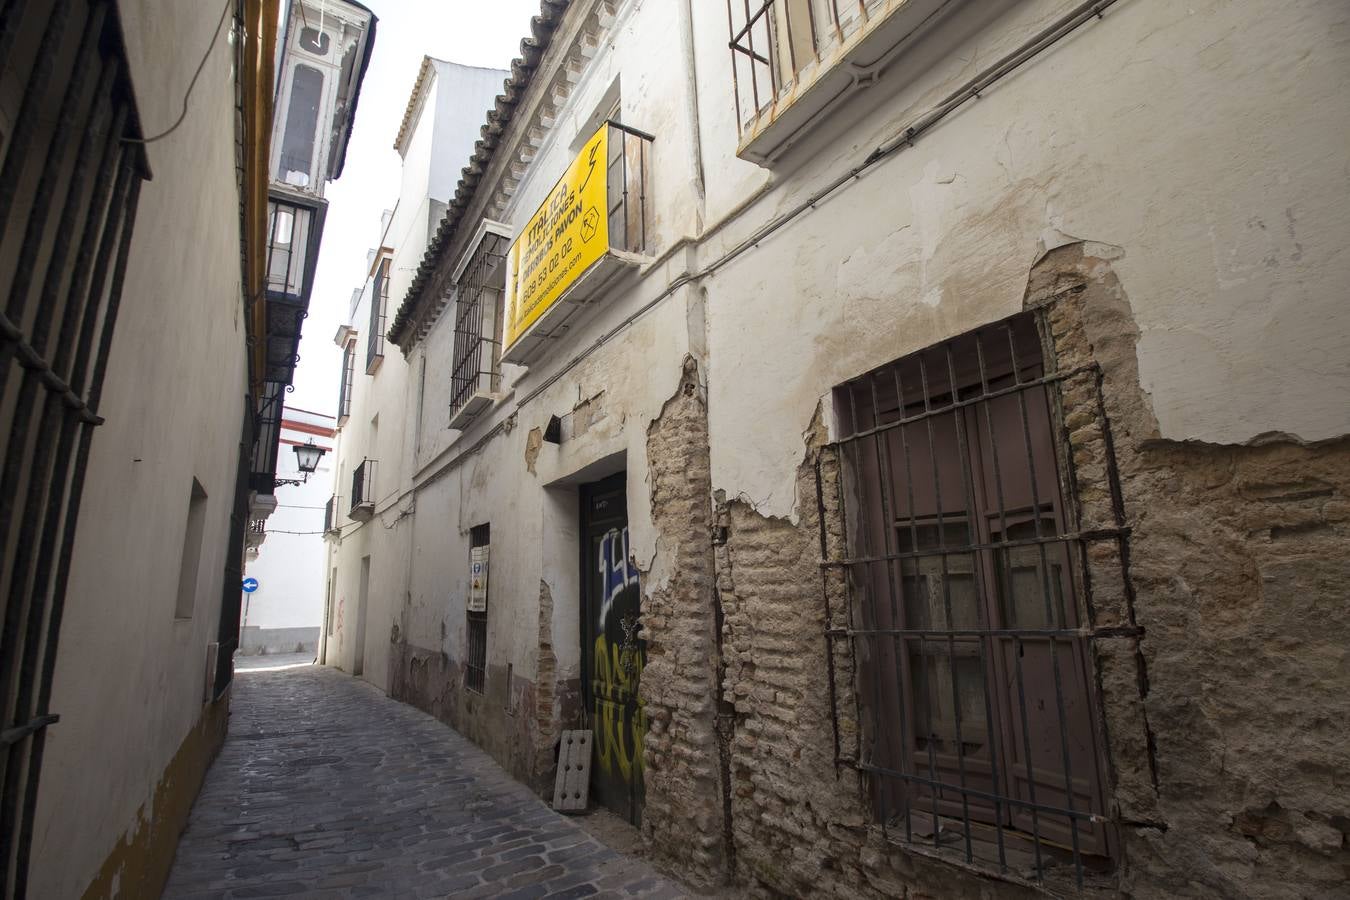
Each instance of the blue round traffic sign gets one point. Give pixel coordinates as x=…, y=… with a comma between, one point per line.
x=250, y=585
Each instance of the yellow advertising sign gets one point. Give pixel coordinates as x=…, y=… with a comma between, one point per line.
x=568, y=233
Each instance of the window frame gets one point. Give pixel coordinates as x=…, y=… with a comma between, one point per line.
x=476, y=622
x=345, y=384
x=379, y=308
x=868, y=605
x=479, y=316
x=312, y=71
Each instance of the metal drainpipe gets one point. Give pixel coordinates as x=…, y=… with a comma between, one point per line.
x=691, y=95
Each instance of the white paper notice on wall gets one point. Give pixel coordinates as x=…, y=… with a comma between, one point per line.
x=478, y=579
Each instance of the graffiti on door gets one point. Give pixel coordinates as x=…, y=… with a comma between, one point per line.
x=620, y=653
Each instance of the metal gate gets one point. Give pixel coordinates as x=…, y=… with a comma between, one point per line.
x=613, y=653
x=70, y=175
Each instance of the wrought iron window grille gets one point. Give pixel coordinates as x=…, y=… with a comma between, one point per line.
x=475, y=664
x=330, y=523
x=478, y=324
x=774, y=41
x=379, y=307
x=626, y=180
x=959, y=630
x=345, y=385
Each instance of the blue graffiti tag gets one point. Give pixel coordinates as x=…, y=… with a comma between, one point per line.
x=616, y=571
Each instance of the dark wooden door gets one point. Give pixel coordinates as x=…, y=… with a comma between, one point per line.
x=613, y=653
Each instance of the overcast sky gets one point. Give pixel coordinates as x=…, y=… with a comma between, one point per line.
x=473, y=32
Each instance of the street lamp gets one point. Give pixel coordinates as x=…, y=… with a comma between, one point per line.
x=307, y=457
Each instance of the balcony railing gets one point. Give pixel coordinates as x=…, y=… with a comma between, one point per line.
x=629, y=150
x=793, y=59
x=345, y=385
x=295, y=226
x=476, y=374
x=363, y=490
x=330, y=523
x=379, y=304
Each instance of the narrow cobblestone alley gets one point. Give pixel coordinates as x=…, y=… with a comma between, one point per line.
x=326, y=788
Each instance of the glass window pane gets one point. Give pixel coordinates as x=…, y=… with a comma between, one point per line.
x=302, y=122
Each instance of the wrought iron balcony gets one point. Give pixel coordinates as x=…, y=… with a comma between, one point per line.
x=379, y=304
x=629, y=152
x=295, y=226
x=363, y=491
x=793, y=60
x=330, y=523
x=476, y=376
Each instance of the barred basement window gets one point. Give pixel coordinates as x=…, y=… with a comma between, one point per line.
x=475, y=662
x=345, y=387
x=379, y=305
x=476, y=376
x=960, y=606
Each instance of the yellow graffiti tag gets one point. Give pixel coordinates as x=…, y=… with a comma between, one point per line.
x=614, y=687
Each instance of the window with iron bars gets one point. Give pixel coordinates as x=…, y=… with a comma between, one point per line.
x=363, y=484
x=345, y=385
x=476, y=373
x=957, y=607
x=475, y=660
x=379, y=305
x=774, y=41
x=626, y=187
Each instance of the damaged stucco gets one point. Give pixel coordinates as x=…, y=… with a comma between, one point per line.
x=1195, y=268
x=1231, y=244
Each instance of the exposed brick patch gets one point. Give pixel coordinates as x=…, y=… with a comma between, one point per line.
x=683, y=818
x=546, y=720
x=800, y=820
x=1220, y=659
x=1238, y=560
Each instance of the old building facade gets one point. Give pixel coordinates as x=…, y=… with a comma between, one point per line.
x=141, y=347
x=910, y=435
x=441, y=120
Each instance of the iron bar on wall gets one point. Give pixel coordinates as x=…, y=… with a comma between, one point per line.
x=68, y=196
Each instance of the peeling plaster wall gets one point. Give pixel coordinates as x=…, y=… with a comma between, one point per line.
x=1238, y=560
x=529, y=499
x=1203, y=139
x=1220, y=671
x=1182, y=154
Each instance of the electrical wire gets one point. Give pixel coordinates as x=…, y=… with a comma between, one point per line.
x=224, y=13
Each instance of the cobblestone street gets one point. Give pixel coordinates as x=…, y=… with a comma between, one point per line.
x=325, y=788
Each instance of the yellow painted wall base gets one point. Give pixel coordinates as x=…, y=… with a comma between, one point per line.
x=139, y=865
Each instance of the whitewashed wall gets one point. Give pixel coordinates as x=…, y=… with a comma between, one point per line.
x=440, y=143
x=290, y=563
x=1199, y=139
x=129, y=675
